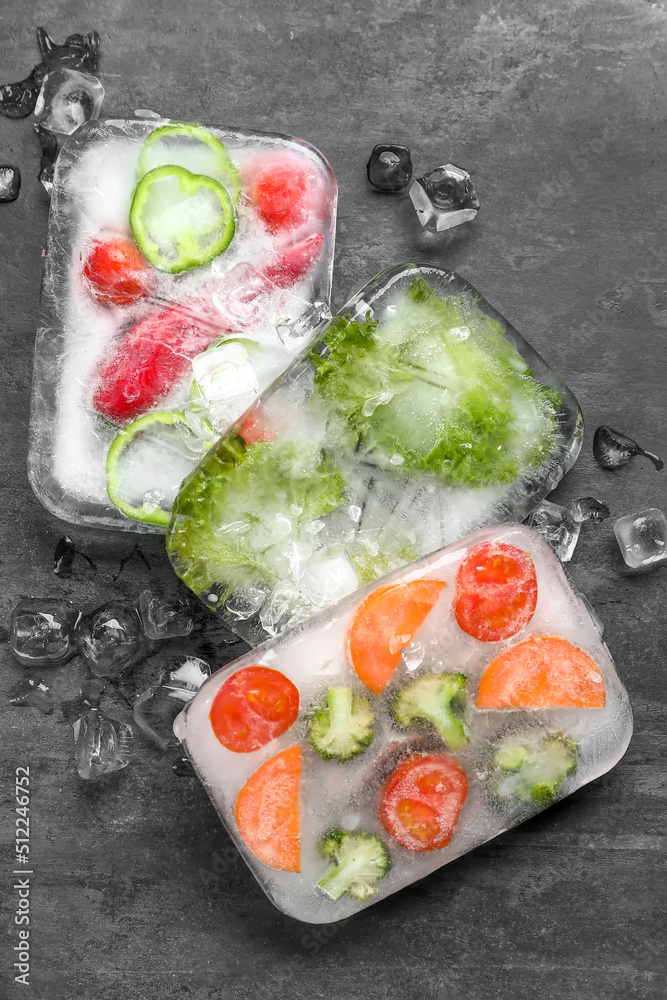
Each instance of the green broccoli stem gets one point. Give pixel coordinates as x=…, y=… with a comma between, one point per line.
x=340, y=710
x=450, y=728
x=339, y=878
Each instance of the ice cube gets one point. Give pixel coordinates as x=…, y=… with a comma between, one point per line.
x=103, y=744
x=77, y=51
x=613, y=449
x=444, y=198
x=163, y=619
x=642, y=538
x=561, y=525
x=297, y=330
x=389, y=167
x=243, y=296
x=17, y=100
x=29, y=693
x=63, y=557
x=277, y=606
x=67, y=99
x=43, y=632
x=329, y=575
x=111, y=639
x=245, y=603
x=10, y=182
x=224, y=372
x=413, y=655
x=182, y=768
x=156, y=708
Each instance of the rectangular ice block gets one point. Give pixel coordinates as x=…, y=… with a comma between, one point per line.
x=408, y=724
x=417, y=415
x=186, y=266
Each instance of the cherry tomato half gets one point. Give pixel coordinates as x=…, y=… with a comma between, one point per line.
x=253, y=707
x=496, y=591
x=422, y=800
x=287, y=191
x=115, y=272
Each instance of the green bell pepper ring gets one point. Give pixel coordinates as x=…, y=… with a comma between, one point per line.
x=180, y=220
x=183, y=144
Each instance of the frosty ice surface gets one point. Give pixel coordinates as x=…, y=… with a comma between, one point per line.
x=424, y=715
x=417, y=415
x=182, y=272
x=642, y=538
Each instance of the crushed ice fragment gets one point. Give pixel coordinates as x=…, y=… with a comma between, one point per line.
x=613, y=449
x=329, y=575
x=77, y=51
x=389, y=167
x=10, y=182
x=156, y=708
x=282, y=597
x=67, y=99
x=63, y=557
x=642, y=538
x=17, y=100
x=413, y=655
x=29, y=693
x=182, y=768
x=163, y=619
x=102, y=744
x=43, y=632
x=91, y=690
x=245, y=603
x=444, y=198
x=111, y=639
x=561, y=525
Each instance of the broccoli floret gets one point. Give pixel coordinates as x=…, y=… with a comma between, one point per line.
x=532, y=769
x=359, y=860
x=434, y=698
x=340, y=725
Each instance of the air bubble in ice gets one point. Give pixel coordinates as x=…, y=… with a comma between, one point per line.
x=444, y=198
x=103, y=744
x=43, y=632
x=165, y=619
x=67, y=99
x=29, y=693
x=397, y=459
x=413, y=655
x=613, y=449
x=156, y=708
x=10, y=182
x=111, y=639
x=459, y=333
x=642, y=538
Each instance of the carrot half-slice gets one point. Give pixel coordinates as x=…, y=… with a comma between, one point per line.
x=267, y=811
x=543, y=672
x=384, y=624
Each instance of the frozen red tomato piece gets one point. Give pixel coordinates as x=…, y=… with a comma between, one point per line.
x=286, y=190
x=254, y=706
x=422, y=800
x=115, y=272
x=496, y=591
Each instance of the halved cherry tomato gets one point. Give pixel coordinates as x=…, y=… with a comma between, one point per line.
x=543, y=672
x=253, y=707
x=267, y=811
x=422, y=800
x=496, y=591
x=384, y=624
x=115, y=271
x=286, y=190
x=255, y=427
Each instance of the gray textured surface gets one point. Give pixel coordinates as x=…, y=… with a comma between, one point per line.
x=558, y=111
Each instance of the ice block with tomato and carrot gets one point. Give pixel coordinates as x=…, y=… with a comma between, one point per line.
x=408, y=724
x=185, y=267
x=415, y=416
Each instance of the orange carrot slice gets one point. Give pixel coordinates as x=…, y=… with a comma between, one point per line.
x=543, y=672
x=384, y=624
x=267, y=811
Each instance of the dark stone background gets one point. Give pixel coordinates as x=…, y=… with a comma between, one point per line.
x=558, y=110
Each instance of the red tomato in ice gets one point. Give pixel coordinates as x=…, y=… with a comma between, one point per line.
x=253, y=707
x=116, y=274
x=422, y=800
x=286, y=190
x=496, y=591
